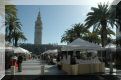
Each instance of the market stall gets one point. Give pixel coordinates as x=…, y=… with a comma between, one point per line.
x=9, y=52
x=111, y=50
x=50, y=56
x=76, y=59
x=21, y=51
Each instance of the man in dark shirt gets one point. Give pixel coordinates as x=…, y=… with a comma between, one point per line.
x=20, y=59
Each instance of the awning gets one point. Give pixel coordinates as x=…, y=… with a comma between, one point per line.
x=81, y=44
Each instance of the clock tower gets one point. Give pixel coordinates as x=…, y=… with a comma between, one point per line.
x=38, y=30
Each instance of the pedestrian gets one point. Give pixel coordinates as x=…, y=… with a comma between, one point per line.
x=20, y=59
x=59, y=65
x=14, y=63
x=14, y=60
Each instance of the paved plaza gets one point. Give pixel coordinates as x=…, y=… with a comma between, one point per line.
x=33, y=67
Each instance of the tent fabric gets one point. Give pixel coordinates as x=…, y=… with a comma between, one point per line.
x=20, y=50
x=51, y=51
x=17, y=50
x=110, y=45
x=81, y=44
x=9, y=49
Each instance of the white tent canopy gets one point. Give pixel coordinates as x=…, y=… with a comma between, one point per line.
x=81, y=44
x=20, y=50
x=111, y=46
x=51, y=51
x=9, y=49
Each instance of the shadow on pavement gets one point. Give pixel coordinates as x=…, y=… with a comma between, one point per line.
x=62, y=77
x=53, y=70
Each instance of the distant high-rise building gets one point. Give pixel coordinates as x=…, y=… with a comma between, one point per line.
x=38, y=30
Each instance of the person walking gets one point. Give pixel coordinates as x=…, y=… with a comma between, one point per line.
x=20, y=59
x=59, y=62
x=14, y=65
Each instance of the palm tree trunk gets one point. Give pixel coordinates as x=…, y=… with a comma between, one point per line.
x=16, y=42
x=103, y=33
x=9, y=39
x=13, y=41
x=78, y=35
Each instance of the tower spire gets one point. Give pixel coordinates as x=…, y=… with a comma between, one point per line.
x=38, y=17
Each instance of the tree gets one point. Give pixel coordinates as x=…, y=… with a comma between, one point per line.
x=118, y=20
x=18, y=36
x=68, y=36
x=77, y=31
x=80, y=30
x=92, y=37
x=99, y=18
x=10, y=17
x=10, y=10
x=13, y=26
x=117, y=9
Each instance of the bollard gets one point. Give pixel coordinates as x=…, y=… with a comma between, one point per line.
x=42, y=69
x=13, y=69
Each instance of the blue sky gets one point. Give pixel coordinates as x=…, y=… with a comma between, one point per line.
x=56, y=19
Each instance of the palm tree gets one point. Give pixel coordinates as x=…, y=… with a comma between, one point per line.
x=80, y=30
x=10, y=17
x=68, y=36
x=118, y=14
x=77, y=31
x=99, y=18
x=17, y=37
x=16, y=33
x=10, y=10
x=92, y=37
x=13, y=26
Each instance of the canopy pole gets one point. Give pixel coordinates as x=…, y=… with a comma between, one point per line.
x=74, y=51
x=101, y=56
